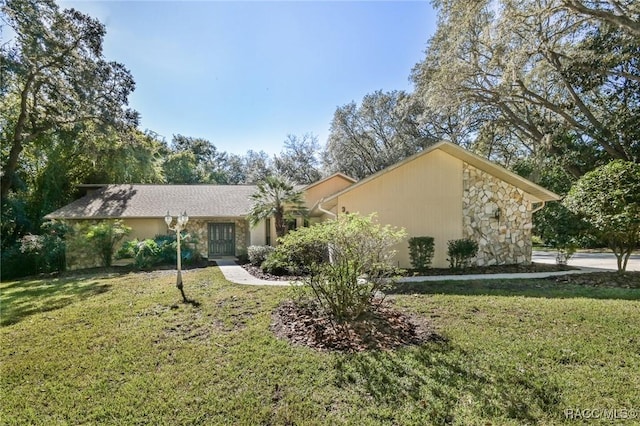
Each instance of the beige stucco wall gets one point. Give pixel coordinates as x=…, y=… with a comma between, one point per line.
x=258, y=234
x=145, y=228
x=423, y=196
x=328, y=187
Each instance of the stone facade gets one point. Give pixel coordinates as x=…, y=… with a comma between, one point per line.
x=199, y=228
x=498, y=217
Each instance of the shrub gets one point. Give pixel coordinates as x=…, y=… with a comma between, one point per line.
x=421, y=252
x=258, y=254
x=461, y=252
x=104, y=236
x=162, y=249
x=608, y=198
x=127, y=250
x=275, y=264
x=34, y=254
x=146, y=253
x=360, y=266
x=299, y=253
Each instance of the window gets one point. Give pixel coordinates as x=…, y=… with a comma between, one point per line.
x=267, y=224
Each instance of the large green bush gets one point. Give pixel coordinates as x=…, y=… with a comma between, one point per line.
x=162, y=249
x=461, y=252
x=355, y=264
x=34, y=254
x=258, y=254
x=104, y=236
x=608, y=198
x=421, y=252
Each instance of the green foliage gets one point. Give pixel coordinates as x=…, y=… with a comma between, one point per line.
x=144, y=253
x=258, y=254
x=360, y=262
x=162, y=249
x=34, y=254
x=298, y=252
x=298, y=160
x=276, y=197
x=55, y=80
x=609, y=199
x=275, y=264
x=421, y=252
x=461, y=252
x=104, y=236
x=379, y=132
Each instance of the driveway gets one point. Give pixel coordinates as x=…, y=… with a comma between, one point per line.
x=601, y=260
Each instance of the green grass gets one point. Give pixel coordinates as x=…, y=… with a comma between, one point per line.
x=123, y=350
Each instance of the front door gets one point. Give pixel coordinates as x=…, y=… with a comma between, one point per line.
x=222, y=239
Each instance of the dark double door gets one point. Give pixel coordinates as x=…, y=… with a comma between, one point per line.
x=222, y=239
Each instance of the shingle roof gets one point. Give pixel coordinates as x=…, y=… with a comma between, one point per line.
x=145, y=201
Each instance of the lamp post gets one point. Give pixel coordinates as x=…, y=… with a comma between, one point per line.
x=181, y=222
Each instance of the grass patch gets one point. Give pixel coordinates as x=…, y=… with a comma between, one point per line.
x=124, y=350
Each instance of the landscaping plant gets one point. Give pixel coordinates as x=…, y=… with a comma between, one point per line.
x=609, y=199
x=461, y=252
x=104, y=236
x=356, y=264
x=421, y=252
x=258, y=254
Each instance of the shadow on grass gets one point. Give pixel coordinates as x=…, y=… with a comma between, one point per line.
x=23, y=298
x=435, y=379
x=521, y=287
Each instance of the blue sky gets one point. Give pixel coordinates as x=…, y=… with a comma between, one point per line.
x=245, y=74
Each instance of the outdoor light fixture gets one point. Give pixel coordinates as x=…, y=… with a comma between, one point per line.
x=181, y=222
x=496, y=214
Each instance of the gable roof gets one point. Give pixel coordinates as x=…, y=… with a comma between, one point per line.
x=153, y=201
x=337, y=174
x=534, y=190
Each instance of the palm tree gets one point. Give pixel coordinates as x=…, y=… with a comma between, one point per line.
x=276, y=196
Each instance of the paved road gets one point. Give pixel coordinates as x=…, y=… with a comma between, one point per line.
x=589, y=260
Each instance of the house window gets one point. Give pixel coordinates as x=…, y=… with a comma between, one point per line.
x=267, y=224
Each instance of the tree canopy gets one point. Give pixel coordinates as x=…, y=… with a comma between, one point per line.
x=609, y=199
x=55, y=80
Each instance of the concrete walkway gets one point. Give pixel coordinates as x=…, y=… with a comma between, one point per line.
x=238, y=275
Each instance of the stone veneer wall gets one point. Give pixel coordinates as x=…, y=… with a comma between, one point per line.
x=199, y=228
x=506, y=240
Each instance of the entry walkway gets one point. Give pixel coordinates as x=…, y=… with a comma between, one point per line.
x=238, y=275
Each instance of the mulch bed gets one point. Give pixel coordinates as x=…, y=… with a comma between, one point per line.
x=383, y=329
x=259, y=273
x=495, y=269
x=602, y=279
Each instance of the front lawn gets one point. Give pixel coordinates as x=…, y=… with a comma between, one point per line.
x=122, y=349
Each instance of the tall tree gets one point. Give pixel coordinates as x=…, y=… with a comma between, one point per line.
x=276, y=197
x=368, y=137
x=194, y=160
x=609, y=199
x=55, y=78
x=298, y=161
x=537, y=71
x=249, y=168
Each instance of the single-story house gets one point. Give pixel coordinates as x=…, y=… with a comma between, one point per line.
x=444, y=192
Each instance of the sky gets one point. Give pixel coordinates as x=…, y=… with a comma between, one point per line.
x=244, y=75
